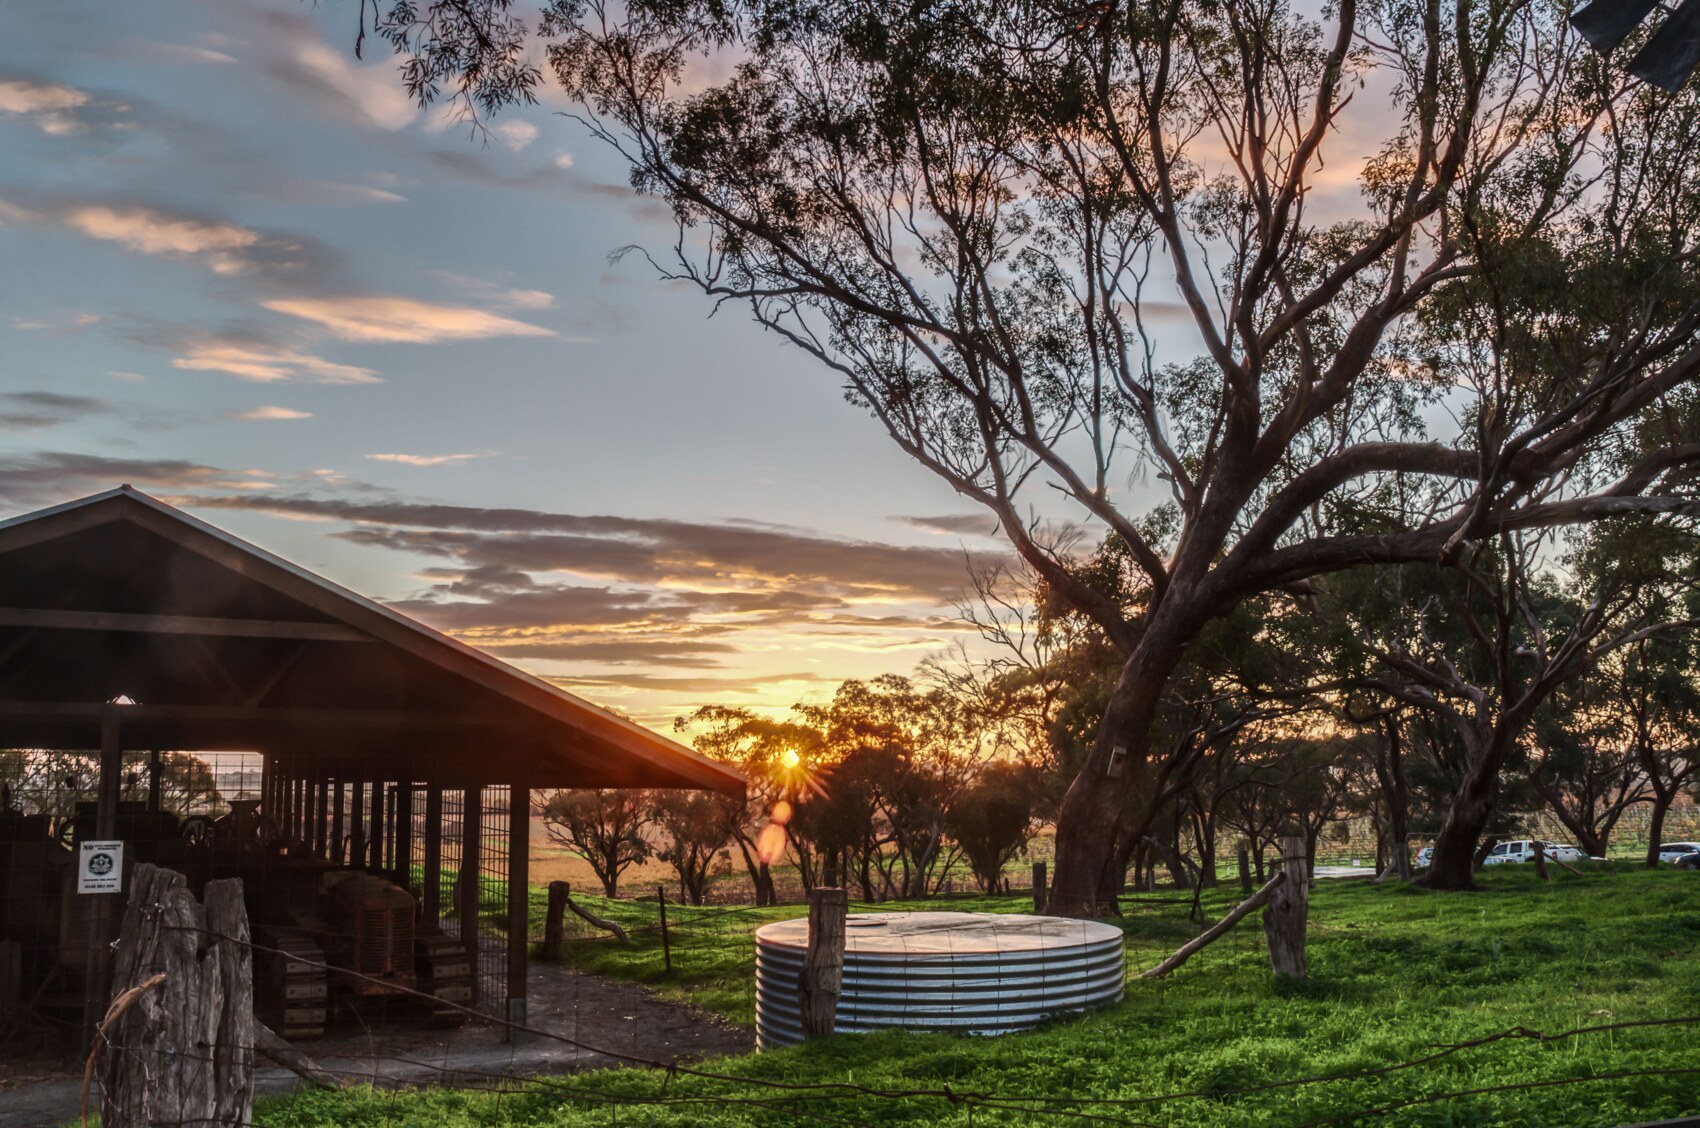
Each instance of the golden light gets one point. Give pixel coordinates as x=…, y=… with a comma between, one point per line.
x=790, y=758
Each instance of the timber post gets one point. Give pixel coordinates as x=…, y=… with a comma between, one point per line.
x=1285, y=918
x=1245, y=870
x=1038, y=887
x=1541, y=860
x=554, y=924
x=666, y=941
x=183, y=978
x=822, y=979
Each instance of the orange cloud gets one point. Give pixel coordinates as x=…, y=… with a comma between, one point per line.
x=217, y=245
x=390, y=320
x=266, y=364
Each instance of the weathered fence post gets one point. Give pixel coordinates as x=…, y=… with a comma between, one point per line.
x=554, y=924
x=1541, y=860
x=666, y=943
x=183, y=1051
x=1245, y=870
x=1402, y=858
x=1038, y=887
x=822, y=980
x=1289, y=907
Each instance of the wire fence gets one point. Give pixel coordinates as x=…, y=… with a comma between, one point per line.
x=662, y=1082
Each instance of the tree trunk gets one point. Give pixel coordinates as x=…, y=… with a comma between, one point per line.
x=1452, y=865
x=1093, y=814
x=1656, y=825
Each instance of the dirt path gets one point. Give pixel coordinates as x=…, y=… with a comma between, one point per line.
x=619, y=1018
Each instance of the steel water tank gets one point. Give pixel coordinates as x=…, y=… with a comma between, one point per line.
x=975, y=973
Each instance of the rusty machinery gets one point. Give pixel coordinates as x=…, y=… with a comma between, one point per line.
x=327, y=936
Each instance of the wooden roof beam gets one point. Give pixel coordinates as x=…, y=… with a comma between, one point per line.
x=124, y=622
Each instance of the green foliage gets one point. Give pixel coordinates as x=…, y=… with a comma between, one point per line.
x=1396, y=975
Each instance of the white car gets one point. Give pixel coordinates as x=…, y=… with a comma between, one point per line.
x=1523, y=850
x=1671, y=851
x=1425, y=855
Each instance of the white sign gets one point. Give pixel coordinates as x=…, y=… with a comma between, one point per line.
x=100, y=868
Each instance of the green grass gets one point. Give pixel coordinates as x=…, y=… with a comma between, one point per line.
x=1395, y=973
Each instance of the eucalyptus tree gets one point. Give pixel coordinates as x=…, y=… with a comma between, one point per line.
x=984, y=220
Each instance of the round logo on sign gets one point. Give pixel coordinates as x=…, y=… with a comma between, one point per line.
x=100, y=864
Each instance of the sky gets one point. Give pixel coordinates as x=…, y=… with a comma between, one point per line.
x=243, y=273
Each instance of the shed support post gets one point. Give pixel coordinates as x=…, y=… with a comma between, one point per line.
x=357, y=825
x=337, y=798
x=466, y=883
x=154, y=769
x=392, y=840
x=519, y=900
x=374, y=859
x=401, y=818
x=321, y=827
x=100, y=912
x=432, y=902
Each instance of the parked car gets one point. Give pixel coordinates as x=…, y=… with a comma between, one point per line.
x=1523, y=850
x=1689, y=861
x=1671, y=851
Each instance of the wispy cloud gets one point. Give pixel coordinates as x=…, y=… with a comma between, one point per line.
x=426, y=459
x=370, y=95
x=44, y=477
x=51, y=107
x=331, y=192
x=498, y=292
x=270, y=413
x=216, y=244
x=254, y=359
x=515, y=134
x=955, y=524
x=219, y=246
x=395, y=319
x=24, y=411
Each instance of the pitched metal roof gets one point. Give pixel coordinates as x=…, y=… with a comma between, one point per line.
x=227, y=645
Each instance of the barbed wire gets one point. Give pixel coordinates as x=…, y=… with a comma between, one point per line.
x=796, y=1094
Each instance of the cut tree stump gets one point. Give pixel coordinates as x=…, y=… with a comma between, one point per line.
x=822, y=979
x=182, y=1053
x=1285, y=919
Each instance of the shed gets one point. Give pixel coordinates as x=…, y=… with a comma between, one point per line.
x=132, y=634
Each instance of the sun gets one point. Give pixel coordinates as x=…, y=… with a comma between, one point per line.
x=790, y=758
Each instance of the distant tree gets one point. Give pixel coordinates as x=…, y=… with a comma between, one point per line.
x=992, y=819
x=759, y=748
x=695, y=831
x=605, y=827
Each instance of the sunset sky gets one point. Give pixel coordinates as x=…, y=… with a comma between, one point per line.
x=245, y=274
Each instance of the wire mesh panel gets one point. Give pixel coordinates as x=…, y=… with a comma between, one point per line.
x=492, y=886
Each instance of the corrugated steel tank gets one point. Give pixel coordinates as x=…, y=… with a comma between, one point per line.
x=973, y=973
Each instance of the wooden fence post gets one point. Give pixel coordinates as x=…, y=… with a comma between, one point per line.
x=554, y=925
x=822, y=980
x=1289, y=907
x=1541, y=860
x=1245, y=870
x=1038, y=887
x=666, y=943
x=203, y=997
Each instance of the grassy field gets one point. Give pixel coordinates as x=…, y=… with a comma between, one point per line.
x=1397, y=975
